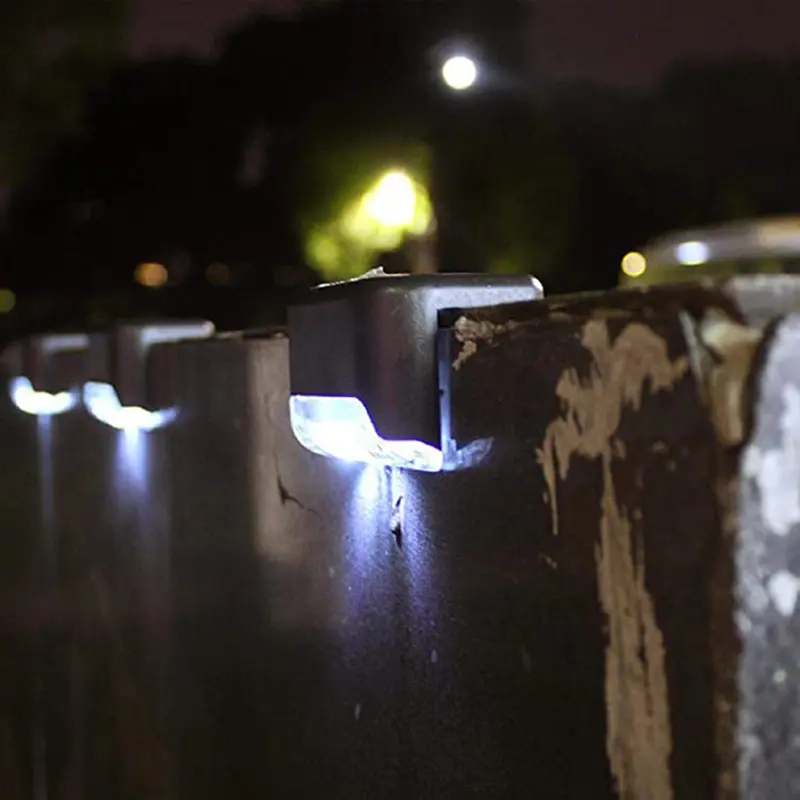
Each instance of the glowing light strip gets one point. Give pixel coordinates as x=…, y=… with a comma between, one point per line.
x=102, y=402
x=340, y=427
x=31, y=401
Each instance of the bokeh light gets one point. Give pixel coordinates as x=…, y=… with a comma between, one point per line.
x=692, y=254
x=151, y=274
x=634, y=265
x=394, y=206
x=393, y=200
x=218, y=274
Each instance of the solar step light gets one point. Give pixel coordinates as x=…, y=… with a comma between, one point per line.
x=364, y=366
x=116, y=391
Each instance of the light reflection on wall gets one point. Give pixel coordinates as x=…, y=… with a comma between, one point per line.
x=375, y=551
x=140, y=527
x=131, y=465
x=367, y=520
x=292, y=533
x=417, y=543
x=44, y=431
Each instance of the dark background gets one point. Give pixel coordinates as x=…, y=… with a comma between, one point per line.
x=203, y=133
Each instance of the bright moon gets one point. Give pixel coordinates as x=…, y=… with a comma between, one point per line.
x=460, y=73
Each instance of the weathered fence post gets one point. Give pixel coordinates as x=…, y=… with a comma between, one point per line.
x=603, y=606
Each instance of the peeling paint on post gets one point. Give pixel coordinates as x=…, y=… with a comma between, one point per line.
x=623, y=451
x=470, y=332
x=639, y=740
x=594, y=407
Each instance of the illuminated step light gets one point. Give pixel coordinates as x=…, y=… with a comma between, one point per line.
x=46, y=372
x=364, y=365
x=340, y=427
x=40, y=403
x=103, y=404
x=116, y=392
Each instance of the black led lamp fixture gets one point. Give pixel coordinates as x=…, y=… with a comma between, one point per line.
x=364, y=363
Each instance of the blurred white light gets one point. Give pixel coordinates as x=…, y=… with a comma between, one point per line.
x=102, y=402
x=340, y=427
x=691, y=254
x=393, y=201
x=27, y=399
x=460, y=73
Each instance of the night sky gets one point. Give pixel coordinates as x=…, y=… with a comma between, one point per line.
x=613, y=41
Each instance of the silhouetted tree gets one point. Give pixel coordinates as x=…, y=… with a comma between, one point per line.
x=711, y=142
x=725, y=137
x=196, y=163
x=126, y=187
x=51, y=51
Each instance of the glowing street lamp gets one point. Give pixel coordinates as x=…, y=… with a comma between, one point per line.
x=394, y=208
x=393, y=200
x=460, y=73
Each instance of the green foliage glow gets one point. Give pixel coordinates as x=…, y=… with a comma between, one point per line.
x=363, y=199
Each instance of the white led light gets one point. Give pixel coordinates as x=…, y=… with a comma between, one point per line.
x=691, y=254
x=102, y=402
x=27, y=399
x=340, y=427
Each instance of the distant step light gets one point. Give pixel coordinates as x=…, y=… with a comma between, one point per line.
x=45, y=372
x=692, y=254
x=102, y=402
x=40, y=403
x=116, y=391
x=365, y=365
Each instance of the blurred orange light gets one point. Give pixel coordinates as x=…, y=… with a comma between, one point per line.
x=151, y=274
x=218, y=273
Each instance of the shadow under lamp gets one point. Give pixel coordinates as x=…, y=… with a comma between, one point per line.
x=117, y=391
x=46, y=372
x=365, y=365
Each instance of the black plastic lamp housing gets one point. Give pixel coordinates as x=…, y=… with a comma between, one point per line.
x=364, y=362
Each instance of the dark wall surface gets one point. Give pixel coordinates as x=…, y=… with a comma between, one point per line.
x=208, y=610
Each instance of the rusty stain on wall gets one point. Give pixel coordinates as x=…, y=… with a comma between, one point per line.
x=638, y=734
